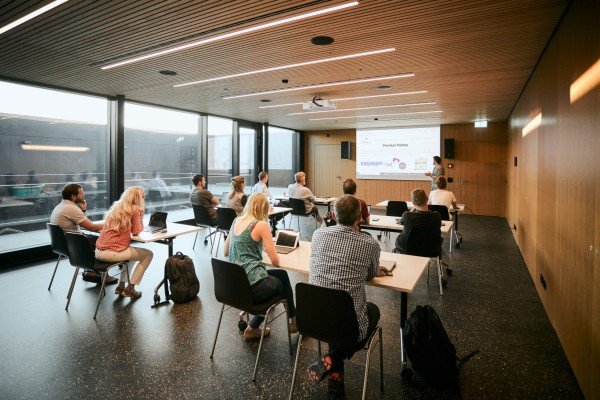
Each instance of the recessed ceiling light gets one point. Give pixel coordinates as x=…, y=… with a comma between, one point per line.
x=352, y=98
x=322, y=40
x=235, y=33
x=41, y=147
x=365, y=108
x=302, y=64
x=265, y=100
x=375, y=115
x=379, y=78
x=167, y=72
x=31, y=15
x=383, y=87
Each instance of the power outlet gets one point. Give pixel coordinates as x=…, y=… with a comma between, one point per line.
x=543, y=281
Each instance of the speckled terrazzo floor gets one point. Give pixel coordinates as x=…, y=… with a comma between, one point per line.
x=134, y=352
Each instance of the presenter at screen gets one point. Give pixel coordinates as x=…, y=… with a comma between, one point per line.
x=437, y=171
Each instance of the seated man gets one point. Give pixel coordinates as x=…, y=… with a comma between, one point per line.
x=202, y=196
x=441, y=196
x=344, y=258
x=418, y=216
x=349, y=187
x=299, y=191
x=69, y=214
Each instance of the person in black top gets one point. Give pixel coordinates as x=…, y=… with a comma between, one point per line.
x=418, y=216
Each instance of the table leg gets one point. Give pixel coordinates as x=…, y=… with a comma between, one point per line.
x=170, y=244
x=403, y=309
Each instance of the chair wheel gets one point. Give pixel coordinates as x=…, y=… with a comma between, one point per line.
x=156, y=298
x=242, y=325
x=378, y=237
x=407, y=374
x=449, y=271
x=205, y=241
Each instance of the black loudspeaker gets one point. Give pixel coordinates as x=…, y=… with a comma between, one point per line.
x=449, y=149
x=346, y=150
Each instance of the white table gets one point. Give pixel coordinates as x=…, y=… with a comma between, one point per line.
x=406, y=274
x=459, y=210
x=322, y=201
x=273, y=211
x=165, y=236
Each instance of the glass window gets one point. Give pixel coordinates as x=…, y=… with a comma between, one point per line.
x=248, y=156
x=161, y=155
x=280, y=159
x=220, y=151
x=48, y=138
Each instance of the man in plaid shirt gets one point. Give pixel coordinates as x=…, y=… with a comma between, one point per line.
x=345, y=258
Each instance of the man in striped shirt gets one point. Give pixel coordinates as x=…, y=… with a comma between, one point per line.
x=344, y=258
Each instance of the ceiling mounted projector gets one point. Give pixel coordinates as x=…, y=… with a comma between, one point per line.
x=318, y=104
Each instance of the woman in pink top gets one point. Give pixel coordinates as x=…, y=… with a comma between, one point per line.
x=123, y=219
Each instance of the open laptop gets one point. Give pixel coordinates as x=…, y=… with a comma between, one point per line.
x=158, y=221
x=286, y=241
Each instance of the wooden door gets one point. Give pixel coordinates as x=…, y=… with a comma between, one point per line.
x=327, y=170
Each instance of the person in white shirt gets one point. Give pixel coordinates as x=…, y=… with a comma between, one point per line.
x=299, y=191
x=261, y=185
x=441, y=196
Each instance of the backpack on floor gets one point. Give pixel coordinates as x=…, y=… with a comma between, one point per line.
x=181, y=279
x=430, y=351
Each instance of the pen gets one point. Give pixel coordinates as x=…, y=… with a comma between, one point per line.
x=389, y=274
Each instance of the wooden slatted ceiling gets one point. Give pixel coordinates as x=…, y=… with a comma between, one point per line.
x=473, y=57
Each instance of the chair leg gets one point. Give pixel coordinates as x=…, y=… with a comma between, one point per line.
x=319, y=348
x=219, y=242
x=101, y=294
x=217, y=333
x=260, y=344
x=428, y=265
x=71, y=288
x=366, y=378
x=439, y=267
x=296, y=365
x=381, y=359
x=287, y=315
x=54, y=273
x=196, y=238
x=212, y=244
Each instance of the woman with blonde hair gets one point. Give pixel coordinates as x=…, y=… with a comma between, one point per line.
x=236, y=199
x=124, y=219
x=244, y=245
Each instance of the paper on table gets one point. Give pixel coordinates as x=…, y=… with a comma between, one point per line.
x=389, y=264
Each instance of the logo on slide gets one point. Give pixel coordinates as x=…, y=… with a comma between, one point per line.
x=396, y=163
x=420, y=163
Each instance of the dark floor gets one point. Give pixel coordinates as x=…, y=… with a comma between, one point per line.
x=135, y=352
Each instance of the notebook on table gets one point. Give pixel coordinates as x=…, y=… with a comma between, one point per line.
x=389, y=264
x=158, y=222
x=286, y=241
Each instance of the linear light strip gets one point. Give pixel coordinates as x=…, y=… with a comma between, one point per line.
x=41, y=147
x=302, y=64
x=352, y=98
x=379, y=78
x=31, y=15
x=427, y=103
x=376, y=115
x=234, y=34
x=531, y=125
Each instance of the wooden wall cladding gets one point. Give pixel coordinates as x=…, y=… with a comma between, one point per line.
x=479, y=165
x=554, y=196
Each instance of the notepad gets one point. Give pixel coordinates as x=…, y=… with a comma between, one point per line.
x=389, y=264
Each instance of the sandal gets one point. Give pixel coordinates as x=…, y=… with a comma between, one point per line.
x=319, y=370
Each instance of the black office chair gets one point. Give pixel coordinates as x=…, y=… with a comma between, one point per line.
x=226, y=216
x=396, y=208
x=82, y=256
x=299, y=210
x=335, y=323
x=202, y=218
x=424, y=241
x=443, y=210
x=232, y=289
x=58, y=244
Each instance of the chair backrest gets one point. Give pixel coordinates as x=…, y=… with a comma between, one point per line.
x=201, y=215
x=443, y=210
x=58, y=241
x=80, y=252
x=424, y=241
x=231, y=285
x=326, y=314
x=396, y=208
x=297, y=205
x=226, y=215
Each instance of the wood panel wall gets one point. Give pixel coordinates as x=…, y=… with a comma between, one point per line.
x=480, y=164
x=554, y=192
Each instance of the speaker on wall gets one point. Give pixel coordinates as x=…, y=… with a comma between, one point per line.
x=346, y=150
x=449, y=149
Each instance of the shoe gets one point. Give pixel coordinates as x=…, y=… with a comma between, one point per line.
x=250, y=335
x=110, y=280
x=91, y=276
x=335, y=385
x=134, y=294
x=319, y=370
x=293, y=327
x=119, y=289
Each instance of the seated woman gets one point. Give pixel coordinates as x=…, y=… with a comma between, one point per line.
x=418, y=216
x=123, y=219
x=244, y=246
x=236, y=199
x=441, y=196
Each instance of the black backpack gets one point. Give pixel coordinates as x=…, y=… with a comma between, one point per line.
x=180, y=274
x=430, y=351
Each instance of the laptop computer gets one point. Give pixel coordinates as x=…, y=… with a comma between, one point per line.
x=158, y=221
x=286, y=241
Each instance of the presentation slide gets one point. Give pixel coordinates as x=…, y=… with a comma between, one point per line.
x=396, y=153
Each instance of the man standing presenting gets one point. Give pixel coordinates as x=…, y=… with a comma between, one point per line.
x=299, y=191
x=344, y=258
x=70, y=215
